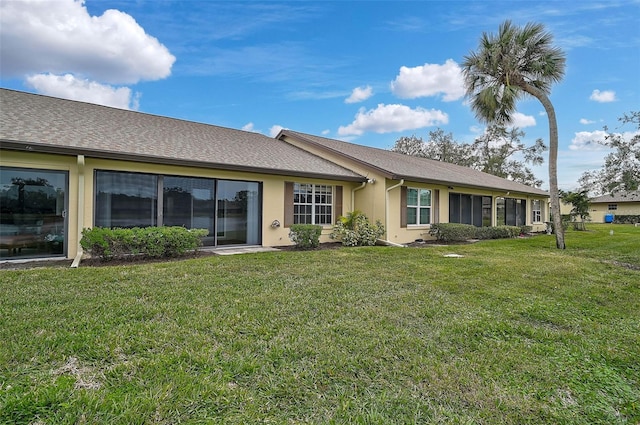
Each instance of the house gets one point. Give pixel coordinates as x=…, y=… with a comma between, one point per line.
x=68, y=165
x=614, y=204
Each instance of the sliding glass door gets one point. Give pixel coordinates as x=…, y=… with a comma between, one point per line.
x=229, y=209
x=238, y=213
x=189, y=202
x=33, y=206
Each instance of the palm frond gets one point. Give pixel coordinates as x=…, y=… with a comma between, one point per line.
x=505, y=63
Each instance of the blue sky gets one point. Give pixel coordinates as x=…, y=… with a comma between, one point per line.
x=368, y=72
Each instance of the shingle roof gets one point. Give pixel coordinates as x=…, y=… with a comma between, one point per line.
x=400, y=166
x=633, y=196
x=49, y=124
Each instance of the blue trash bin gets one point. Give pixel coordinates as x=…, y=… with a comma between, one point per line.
x=608, y=218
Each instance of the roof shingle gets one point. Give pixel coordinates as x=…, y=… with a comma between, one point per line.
x=401, y=166
x=52, y=124
x=633, y=196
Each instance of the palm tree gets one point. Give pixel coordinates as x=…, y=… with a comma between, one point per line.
x=508, y=65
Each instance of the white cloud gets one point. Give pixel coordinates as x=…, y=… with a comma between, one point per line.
x=521, y=120
x=60, y=37
x=430, y=80
x=603, y=96
x=391, y=118
x=248, y=127
x=325, y=132
x=588, y=140
x=70, y=87
x=586, y=121
x=274, y=130
x=359, y=94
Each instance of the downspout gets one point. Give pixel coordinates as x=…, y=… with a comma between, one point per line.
x=353, y=195
x=386, y=215
x=80, y=212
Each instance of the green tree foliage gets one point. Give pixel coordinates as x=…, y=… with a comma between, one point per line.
x=580, y=205
x=499, y=151
x=621, y=170
x=515, y=62
x=497, y=148
x=441, y=147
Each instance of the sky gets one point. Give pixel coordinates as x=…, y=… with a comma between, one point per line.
x=367, y=72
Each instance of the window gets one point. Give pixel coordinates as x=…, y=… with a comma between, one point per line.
x=536, y=211
x=126, y=199
x=470, y=209
x=312, y=203
x=510, y=211
x=33, y=204
x=612, y=207
x=418, y=206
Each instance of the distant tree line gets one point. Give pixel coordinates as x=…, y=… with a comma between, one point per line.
x=621, y=169
x=499, y=151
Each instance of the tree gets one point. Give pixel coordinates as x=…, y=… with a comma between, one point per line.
x=621, y=170
x=492, y=153
x=441, y=147
x=580, y=202
x=518, y=61
x=495, y=149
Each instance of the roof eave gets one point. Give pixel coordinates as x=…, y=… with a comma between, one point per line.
x=96, y=153
x=450, y=184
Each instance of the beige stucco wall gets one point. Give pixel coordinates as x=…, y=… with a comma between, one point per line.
x=397, y=234
x=272, y=185
x=600, y=209
x=370, y=198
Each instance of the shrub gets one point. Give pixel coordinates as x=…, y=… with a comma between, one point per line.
x=355, y=229
x=155, y=242
x=626, y=219
x=525, y=230
x=498, y=232
x=305, y=236
x=454, y=232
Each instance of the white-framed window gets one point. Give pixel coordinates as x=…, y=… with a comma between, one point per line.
x=418, y=206
x=536, y=211
x=612, y=207
x=312, y=203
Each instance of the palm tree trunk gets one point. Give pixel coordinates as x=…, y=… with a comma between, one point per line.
x=553, y=161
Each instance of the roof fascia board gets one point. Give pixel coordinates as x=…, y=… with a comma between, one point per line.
x=61, y=150
x=466, y=185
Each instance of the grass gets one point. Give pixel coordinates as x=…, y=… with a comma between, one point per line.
x=515, y=332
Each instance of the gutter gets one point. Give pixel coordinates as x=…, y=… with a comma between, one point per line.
x=386, y=214
x=80, y=212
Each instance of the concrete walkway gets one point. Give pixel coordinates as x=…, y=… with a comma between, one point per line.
x=243, y=250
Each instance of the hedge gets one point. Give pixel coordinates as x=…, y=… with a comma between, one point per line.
x=454, y=232
x=154, y=242
x=626, y=219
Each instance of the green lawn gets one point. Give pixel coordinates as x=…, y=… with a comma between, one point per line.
x=514, y=332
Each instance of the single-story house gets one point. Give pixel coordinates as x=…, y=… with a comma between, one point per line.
x=618, y=203
x=68, y=165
